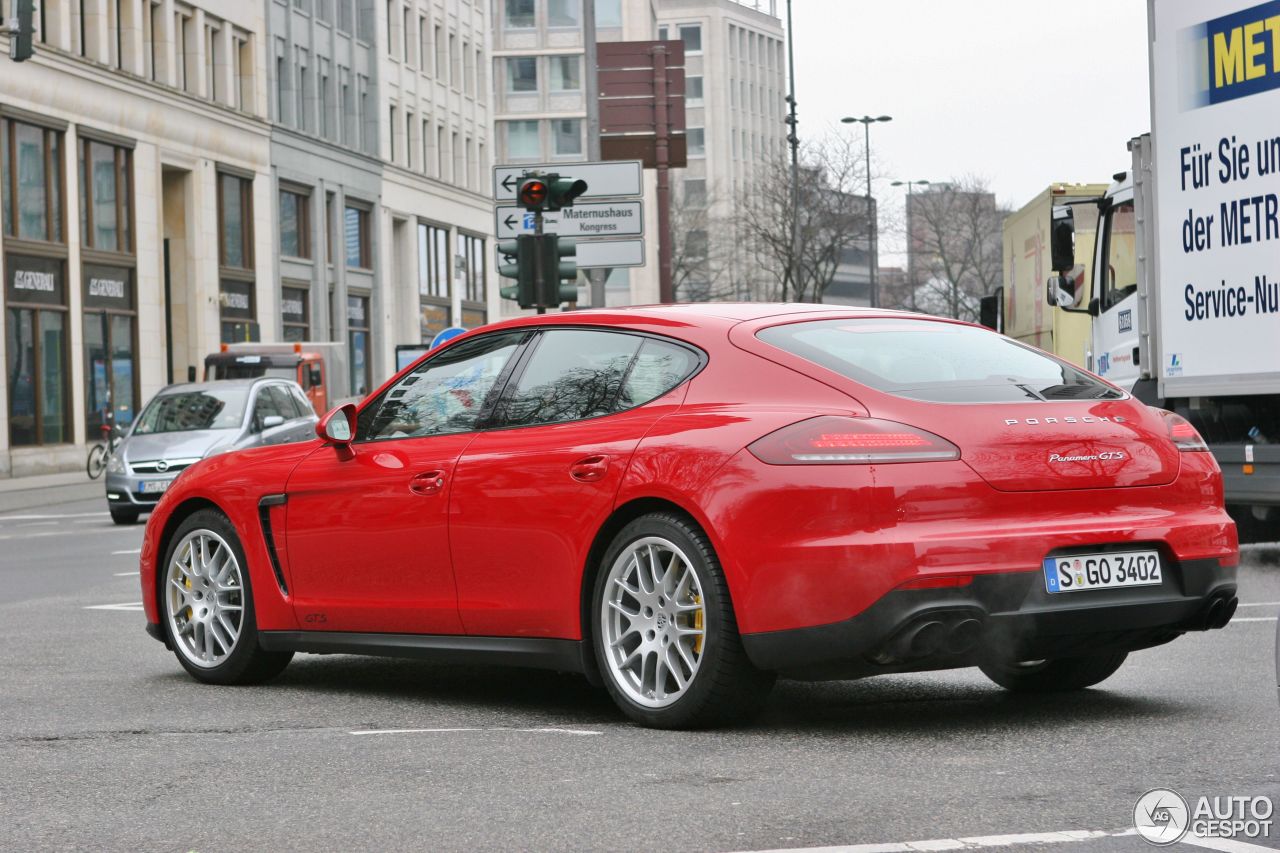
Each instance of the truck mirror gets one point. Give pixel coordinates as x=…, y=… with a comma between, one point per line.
x=1060, y=291
x=990, y=310
x=1062, y=238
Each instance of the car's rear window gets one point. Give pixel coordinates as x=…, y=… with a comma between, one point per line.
x=939, y=362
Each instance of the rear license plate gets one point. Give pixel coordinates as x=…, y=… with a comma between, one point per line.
x=1101, y=571
x=153, y=487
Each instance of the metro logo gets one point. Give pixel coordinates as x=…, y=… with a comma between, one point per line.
x=1240, y=54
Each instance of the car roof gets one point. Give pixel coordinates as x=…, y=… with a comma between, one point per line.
x=184, y=387
x=726, y=313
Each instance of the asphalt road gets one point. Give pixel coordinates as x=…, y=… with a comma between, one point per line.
x=105, y=743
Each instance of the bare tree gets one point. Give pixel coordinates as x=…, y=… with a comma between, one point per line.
x=955, y=241
x=831, y=218
x=702, y=247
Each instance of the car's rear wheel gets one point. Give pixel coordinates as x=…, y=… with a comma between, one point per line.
x=124, y=516
x=207, y=605
x=1047, y=676
x=665, y=635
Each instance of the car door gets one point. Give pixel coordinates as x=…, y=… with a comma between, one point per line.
x=529, y=495
x=367, y=528
x=265, y=417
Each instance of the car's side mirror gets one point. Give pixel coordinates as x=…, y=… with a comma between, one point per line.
x=272, y=421
x=1062, y=238
x=339, y=425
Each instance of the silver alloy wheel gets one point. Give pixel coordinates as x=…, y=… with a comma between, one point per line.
x=204, y=598
x=652, y=617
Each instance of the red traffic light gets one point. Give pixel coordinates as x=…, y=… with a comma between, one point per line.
x=533, y=193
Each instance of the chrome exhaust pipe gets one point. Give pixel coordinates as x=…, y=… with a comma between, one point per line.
x=964, y=636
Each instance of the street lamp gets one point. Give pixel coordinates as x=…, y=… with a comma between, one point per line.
x=871, y=229
x=911, y=255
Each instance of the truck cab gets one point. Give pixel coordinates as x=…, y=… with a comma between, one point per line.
x=294, y=362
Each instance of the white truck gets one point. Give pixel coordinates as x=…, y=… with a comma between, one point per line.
x=1185, y=290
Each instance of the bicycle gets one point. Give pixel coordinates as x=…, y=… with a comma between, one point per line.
x=101, y=452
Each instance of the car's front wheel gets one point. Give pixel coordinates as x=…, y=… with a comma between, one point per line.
x=207, y=605
x=1047, y=676
x=665, y=634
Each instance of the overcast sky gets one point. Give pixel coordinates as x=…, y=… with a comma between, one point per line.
x=1021, y=92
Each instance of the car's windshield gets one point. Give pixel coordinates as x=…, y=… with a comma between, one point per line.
x=184, y=411
x=939, y=362
x=253, y=371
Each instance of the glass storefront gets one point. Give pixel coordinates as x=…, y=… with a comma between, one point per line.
x=110, y=349
x=294, y=313
x=36, y=347
x=358, y=344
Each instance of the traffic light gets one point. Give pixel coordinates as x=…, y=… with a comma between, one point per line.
x=533, y=194
x=518, y=257
x=556, y=262
x=20, y=47
x=562, y=191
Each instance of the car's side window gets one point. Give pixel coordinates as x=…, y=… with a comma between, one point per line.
x=265, y=404
x=572, y=374
x=300, y=403
x=445, y=394
x=658, y=368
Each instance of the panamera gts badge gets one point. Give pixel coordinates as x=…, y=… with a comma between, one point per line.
x=1103, y=456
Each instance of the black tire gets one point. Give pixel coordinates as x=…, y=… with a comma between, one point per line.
x=97, y=461
x=726, y=688
x=124, y=516
x=1054, y=676
x=248, y=662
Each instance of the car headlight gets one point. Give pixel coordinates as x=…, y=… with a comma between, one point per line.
x=115, y=465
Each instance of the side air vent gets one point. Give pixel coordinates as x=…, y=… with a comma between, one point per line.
x=264, y=515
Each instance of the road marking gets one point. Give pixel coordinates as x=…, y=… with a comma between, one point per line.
x=1261, y=604
x=1227, y=845
x=128, y=574
x=1260, y=546
x=42, y=517
x=1253, y=619
x=133, y=551
x=128, y=605
x=542, y=730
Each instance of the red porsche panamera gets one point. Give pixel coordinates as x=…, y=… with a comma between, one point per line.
x=685, y=502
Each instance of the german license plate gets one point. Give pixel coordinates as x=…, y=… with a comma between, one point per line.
x=1101, y=571
x=153, y=487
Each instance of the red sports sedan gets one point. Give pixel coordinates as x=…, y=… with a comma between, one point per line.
x=685, y=502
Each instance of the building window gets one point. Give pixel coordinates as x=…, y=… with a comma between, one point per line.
x=696, y=139
x=442, y=60
x=433, y=261
x=471, y=250
x=522, y=74
x=235, y=221
x=356, y=232
x=519, y=14
x=106, y=211
x=609, y=14
x=568, y=136
x=663, y=32
x=329, y=228
x=346, y=15
x=294, y=313
x=424, y=45
x=564, y=13
x=695, y=192
x=391, y=136
x=566, y=73
x=522, y=140
x=32, y=183
x=693, y=91
x=110, y=347
x=36, y=349
x=358, y=344
x=691, y=35
x=455, y=63
x=295, y=224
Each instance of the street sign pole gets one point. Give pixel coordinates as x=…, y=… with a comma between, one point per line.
x=666, y=292
x=596, y=277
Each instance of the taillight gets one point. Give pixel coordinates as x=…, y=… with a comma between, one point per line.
x=1181, y=432
x=830, y=440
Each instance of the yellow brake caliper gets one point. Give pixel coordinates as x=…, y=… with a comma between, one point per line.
x=697, y=624
x=190, y=612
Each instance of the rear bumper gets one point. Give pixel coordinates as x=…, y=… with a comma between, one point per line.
x=1007, y=615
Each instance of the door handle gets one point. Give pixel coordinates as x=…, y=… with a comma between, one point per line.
x=427, y=483
x=589, y=470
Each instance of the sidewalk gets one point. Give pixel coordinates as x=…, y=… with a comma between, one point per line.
x=21, y=493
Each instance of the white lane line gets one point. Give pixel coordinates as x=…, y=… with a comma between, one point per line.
x=1234, y=620
x=42, y=517
x=128, y=574
x=139, y=551
x=128, y=605
x=1227, y=845
x=542, y=730
x=1261, y=604
x=1260, y=546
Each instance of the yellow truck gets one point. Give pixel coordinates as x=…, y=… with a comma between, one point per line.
x=1025, y=316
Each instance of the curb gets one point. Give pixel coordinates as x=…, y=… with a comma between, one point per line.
x=47, y=495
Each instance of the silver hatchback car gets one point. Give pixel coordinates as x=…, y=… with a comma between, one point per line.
x=185, y=423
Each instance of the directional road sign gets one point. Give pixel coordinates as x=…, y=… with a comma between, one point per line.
x=604, y=254
x=604, y=219
x=613, y=179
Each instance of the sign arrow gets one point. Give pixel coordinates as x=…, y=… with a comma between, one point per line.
x=510, y=222
x=509, y=181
